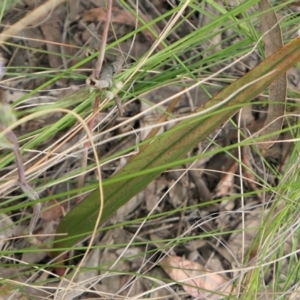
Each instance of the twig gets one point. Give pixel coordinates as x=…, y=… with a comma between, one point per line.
x=100, y=58
x=95, y=75
x=119, y=105
x=10, y=141
x=26, y=188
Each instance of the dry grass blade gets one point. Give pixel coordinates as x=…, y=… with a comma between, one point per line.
x=277, y=90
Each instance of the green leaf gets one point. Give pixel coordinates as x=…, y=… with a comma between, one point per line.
x=173, y=145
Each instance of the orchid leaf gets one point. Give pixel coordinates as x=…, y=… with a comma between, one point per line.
x=173, y=145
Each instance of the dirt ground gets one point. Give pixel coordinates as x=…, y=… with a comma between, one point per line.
x=65, y=37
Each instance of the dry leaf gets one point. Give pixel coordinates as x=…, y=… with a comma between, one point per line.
x=53, y=212
x=8, y=229
x=252, y=223
x=226, y=184
x=118, y=16
x=195, y=279
x=52, y=33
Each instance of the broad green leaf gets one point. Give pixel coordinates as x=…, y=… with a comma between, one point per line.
x=173, y=145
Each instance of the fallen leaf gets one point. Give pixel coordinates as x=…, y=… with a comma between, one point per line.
x=118, y=16
x=8, y=229
x=196, y=280
x=226, y=183
x=52, y=33
x=54, y=211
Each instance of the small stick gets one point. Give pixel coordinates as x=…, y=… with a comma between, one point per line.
x=120, y=106
x=26, y=188
x=101, y=78
x=100, y=58
x=6, y=119
x=95, y=74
